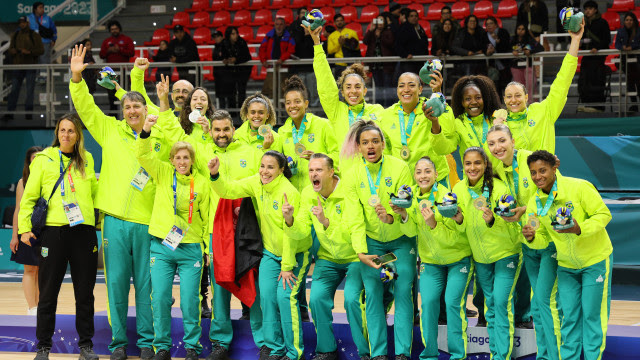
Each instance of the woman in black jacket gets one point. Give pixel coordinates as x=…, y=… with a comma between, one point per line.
x=499, y=39
x=380, y=42
x=443, y=41
x=472, y=40
x=234, y=52
x=535, y=16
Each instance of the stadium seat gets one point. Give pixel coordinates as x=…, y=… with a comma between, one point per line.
x=483, y=9
x=158, y=36
x=198, y=5
x=241, y=18
x=507, y=9
x=357, y=28
x=239, y=5
x=613, y=19
x=174, y=75
x=200, y=19
x=418, y=7
x=202, y=36
x=425, y=1
x=384, y=2
x=285, y=13
x=262, y=32
x=339, y=3
x=259, y=4
x=207, y=73
x=206, y=54
x=317, y=4
x=434, y=11
x=368, y=13
x=150, y=76
x=262, y=17
x=360, y=2
x=328, y=13
x=403, y=2
x=179, y=18
x=299, y=4
x=221, y=18
x=279, y=4
x=460, y=10
x=426, y=26
x=622, y=5
x=246, y=32
x=350, y=13
x=217, y=5
x=363, y=50
x=255, y=75
x=637, y=12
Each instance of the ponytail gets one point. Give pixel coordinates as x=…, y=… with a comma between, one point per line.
x=282, y=162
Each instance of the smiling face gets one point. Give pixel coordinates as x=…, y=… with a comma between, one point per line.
x=353, y=90
x=269, y=169
x=179, y=93
x=543, y=174
x=134, y=113
x=515, y=98
x=222, y=132
x=67, y=136
x=199, y=101
x=474, y=166
x=409, y=90
x=425, y=175
x=371, y=145
x=501, y=145
x=320, y=175
x=256, y=115
x=182, y=162
x=295, y=104
x=472, y=101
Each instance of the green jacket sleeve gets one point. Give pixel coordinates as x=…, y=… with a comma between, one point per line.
x=302, y=223
x=327, y=88
x=447, y=140
x=234, y=189
x=137, y=84
x=331, y=144
x=559, y=89
x=596, y=210
x=92, y=117
x=120, y=93
x=355, y=214
x=171, y=128
x=32, y=193
x=148, y=160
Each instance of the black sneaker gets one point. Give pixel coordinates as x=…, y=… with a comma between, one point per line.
x=43, y=354
x=326, y=356
x=218, y=352
x=191, y=355
x=401, y=357
x=162, y=355
x=147, y=353
x=264, y=352
x=86, y=353
x=206, y=312
x=471, y=313
x=482, y=322
x=525, y=324
x=119, y=354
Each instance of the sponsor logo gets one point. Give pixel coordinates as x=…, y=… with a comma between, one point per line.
x=105, y=242
x=393, y=126
x=600, y=279
x=480, y=340
x=511, y=265
x=156, y=147
x=413, y=251
x=373, y=117
x=464, y=270
x=259, y=146
x=361, y=185
x=422, y=267
x=555, y=255
x=197, y=264
x=286, y=141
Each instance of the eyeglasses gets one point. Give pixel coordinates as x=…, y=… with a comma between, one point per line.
x=178, y=91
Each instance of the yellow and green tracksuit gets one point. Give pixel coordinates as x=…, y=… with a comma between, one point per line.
x=339, y=113
x=445, y=257
x=369, y=235
x=125, y=233
x=237, y=161
x=534, y=128
x=540, y=264
x=171, y=208
x=584, y=264
x=281, y=314
x=498, y=258
x=336, y=260
x=418, y=137
x=245, y=135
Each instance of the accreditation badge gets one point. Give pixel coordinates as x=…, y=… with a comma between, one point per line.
x=480, y=202
x=141, y=179
x=173, y=239
x=73, y=213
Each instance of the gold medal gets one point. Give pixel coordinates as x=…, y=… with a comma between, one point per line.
x=424, y=203
x=480, y=202
x=374, y=200
x=299, y=149
x=500, y=113
x=263, y=130
x=534, y=222
x=405, y=153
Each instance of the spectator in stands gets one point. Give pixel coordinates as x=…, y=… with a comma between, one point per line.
x=183, y=49
x=442, y=42
x=116, y=48
x=472, y=40
x=337, y=41
x=445, y=14
x=277, y=45
x=379, y=40
x=162, y=55
x=25, y=48
x=628, y=39
x=535, y=16
x=304, y=50
x=561, y=4
x=234, y=51
x=592, y=80
x=523, y=44
x=43, y=25
x=295, y=28
x=394, y=11
x=499, y=39
x=411, y=40
x=90, y=75
x=217, y=38
x=327, y=30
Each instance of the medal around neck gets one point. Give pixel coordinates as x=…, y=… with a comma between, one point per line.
x=106, y=78
x=571, y=19
x=449, y=205
x=424, y=203
x=500, y=113
x=563, y=219
x=299, y=149
x=194, y=116
x=405, y=153
x=388, y=273
x=264, y=130
x=438, y=103
x=428, y=68
x=374, y=200
x=314, y=19
x=505, y=206
x=534, y=222
x=404, y=197
x=480, y=202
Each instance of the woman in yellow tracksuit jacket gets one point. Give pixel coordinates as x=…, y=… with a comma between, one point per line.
x=540, y=263
x=376, y=230
x=495, y=245
x=257, y=110
x=445, y=257
x=285, y=261
x=69, y=235
x=179, y=226
x=584, y=254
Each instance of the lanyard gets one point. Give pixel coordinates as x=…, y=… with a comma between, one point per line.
x=73, y=188
x=485, y=129
x=351, y=119
x=405, y=135
x=297, y=134
x=515, y=174
x=552, y=194
x=515, y=117
x=433, y=193
x=175, y=197
x=485, y=193
x=373, y=188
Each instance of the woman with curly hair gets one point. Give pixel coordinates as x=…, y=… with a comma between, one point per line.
x=256, y=111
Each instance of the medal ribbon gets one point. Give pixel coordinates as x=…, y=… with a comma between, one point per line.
x=515, y=174
x=73, y=188
x=405, y=134
x=297, y=134
x=542, y=211
x=485, y=193
x=351, y=119
x=517, y=116
x=175, y=196
x=485, y=129
x=373, y=188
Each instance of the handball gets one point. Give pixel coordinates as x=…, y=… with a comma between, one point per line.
x=314, y=19
x=437, y=103
x=449, y=205
x=428, y=68
x=571, y=19
x=505, y=205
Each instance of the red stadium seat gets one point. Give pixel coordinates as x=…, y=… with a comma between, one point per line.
x=255, y=75
x=317, y=4
x=286, y=14
x=299, y=4
x=174, y=75
x=426, y=26
x=200, y=19
x=613, y=19
x=403, y=2
x=357, y=28
x=262, y=32
x=202, y=36
x=246, y=32
x=239, y=5
x=637, y=12
x=460, y=10
x=622, y=5
x=279, y=4
x=483, y=9
x=262, y=17
x=259, y=4
x=425, y=1
x=206, y=54
x=179, y=18
x=241, y=18
x=158, y=36
x=198, y=5
x=507, y=8
x=368, y=13
x=339, y=3
x=418, y=7
x=150, y=76
x=220, y=18
x=434, y=11
x=360, y=2
x=384, y=2
x=350, y=13
x=328, y=13
x=609, y=62
x=217, y=5
x=207, y=73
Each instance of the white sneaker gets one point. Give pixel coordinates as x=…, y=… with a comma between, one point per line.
x=32, y=311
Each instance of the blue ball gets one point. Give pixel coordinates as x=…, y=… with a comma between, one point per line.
x=314, y=14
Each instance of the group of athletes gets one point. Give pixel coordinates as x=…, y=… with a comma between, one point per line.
x=314, y=194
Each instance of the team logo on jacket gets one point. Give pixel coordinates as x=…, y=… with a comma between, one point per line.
x=152, y=261
x=259, y=146
x=373, y=117
x=362, y=185
x=531, y=123
x=393, y=126
x=387, y=181
x=275, y=205
x=525, y=182
x=243, y=163
x=44, y=251
x=311, y=137
x=338, y=209
x=569, y=205
x=156, y=147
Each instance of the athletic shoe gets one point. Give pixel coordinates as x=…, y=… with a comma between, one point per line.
x=327, y=356
x=162, y=355
x=525, y=324
x=218, y=352
x=119, y=354
x=43, y=354
x=147, y=353
x=86, y=353
x=401, y=357
x=264, y=352
x=380, y=357
x=191, y=355
x=482, y=322
x=471, y=313
x=32, y=311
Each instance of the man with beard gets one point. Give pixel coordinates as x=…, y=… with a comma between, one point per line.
x=116, y=48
